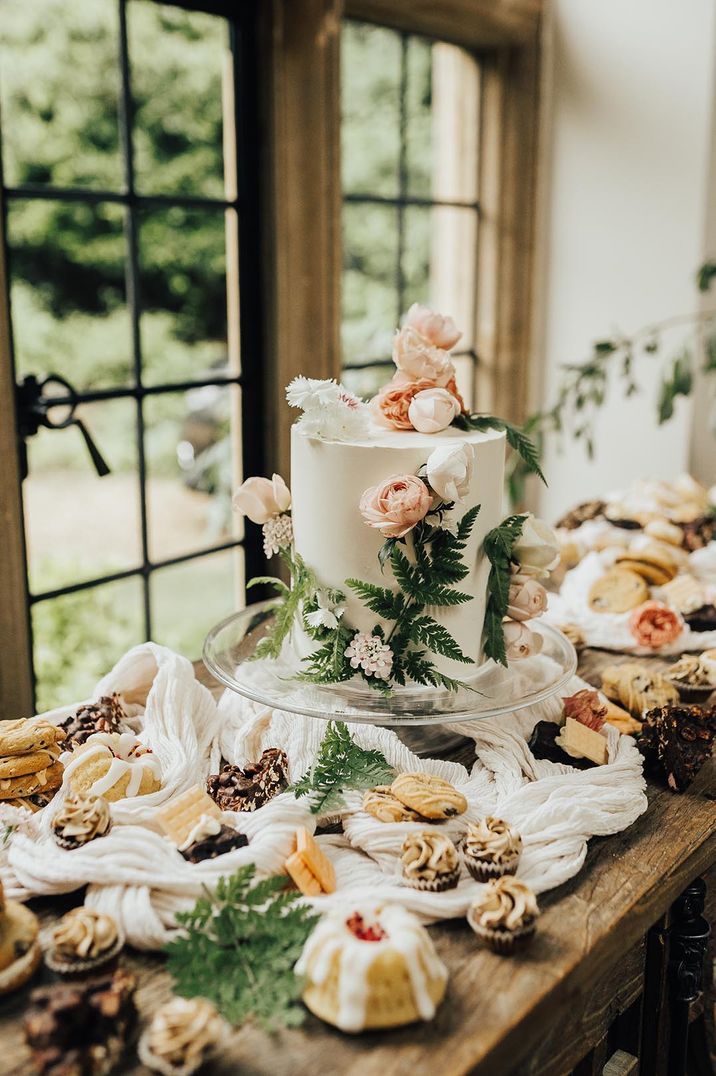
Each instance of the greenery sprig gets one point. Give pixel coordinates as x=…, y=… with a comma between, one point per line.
x=499, y=544
x=239, y=948
x=289, y=603
x=341, y=765
x=517, y=438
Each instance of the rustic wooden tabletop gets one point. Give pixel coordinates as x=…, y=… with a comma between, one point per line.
x=538, y=1012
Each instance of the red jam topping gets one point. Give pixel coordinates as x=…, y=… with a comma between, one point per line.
x=370, y=932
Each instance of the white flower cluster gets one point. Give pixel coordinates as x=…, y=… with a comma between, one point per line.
x=371, y=654
x=278, y=534
x=329, y=410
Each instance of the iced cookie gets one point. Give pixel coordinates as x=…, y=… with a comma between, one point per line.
x=383, y=805
x=47, y=780
x=114, y=765
x=654, y=567
x=617, y=591
x=430, y=796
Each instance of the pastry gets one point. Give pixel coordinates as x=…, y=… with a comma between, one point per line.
x=505, y=914
x=702, y=619
x=654, y=567
x=430, y=796
x=309, y=867
x=586, y=707
x=46, y=780
x=25, y=765
x=81, y=819
x=249, y=789
x=383, y=805
x=581, y=514
x=80, y=1028
x=708, y=662
x=22, y=737
x=184, y=1034
x=187, y=817
x=105, y=715
x=617, y=591
x=684, y=593
x=371, y=967
x=664, y=531
x=622, y=720
x=81, y=941
x=225, y=839
x=491, y=848
x=636, y=687
x=581, y=741
x=114, y=765
x=620, y=515
x=574, y=634
x=20, y=951
x=693, y=681
x=430, y=861
x=677, y=740
x=698, y=532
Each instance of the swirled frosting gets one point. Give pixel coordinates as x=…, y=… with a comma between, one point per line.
x=84, y=934
x=492, y=840
x=183, y=1033
x=505, y=904
x=82, y=818
x=428, y=856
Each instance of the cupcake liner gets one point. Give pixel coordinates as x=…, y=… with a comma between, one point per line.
x=64, y=966
x=503, y=941
x=484, y=871
x=691, y=693
x=70, y=843
x=437, y=885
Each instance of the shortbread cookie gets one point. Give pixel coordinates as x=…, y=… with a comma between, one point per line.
x=114, y=765
x=183, y=819
x=636, y=687
x=430, y=796
x=21, y=737
x=46, y=780
x=617, y=591
x=622, y=720
x=309, y=867
x=684, y=593
x=383, y=805
x=663, y=531
x=21, y=765
x=649, y=563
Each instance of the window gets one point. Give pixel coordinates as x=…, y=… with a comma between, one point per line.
x=129, y=227
x=410, y=136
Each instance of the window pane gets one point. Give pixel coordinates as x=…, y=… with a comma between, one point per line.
x=183, y=291
x=188, y=599
x=190, y=453
x=176, y=60
x=58, y=92
x=455, y=123
x=67, y=291
x=370, y=103
x=78, y=525
x=370, y=281
x=366, y=382
x=78, y=638
x=418, y=117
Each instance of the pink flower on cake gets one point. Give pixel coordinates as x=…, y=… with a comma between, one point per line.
x=418, y=358
x=262, y=498
x=432, y=410
x=537, y=549
x=449, y=470
x=437, y=329
x=520, y=642
x=392, y=404
x=527, y=598
x=371, y=654
x=396, y=505
x=654, y=624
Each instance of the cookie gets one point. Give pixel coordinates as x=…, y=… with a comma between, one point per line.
x=617, y=591
x=43, y=781
x=20, y=951
x=23, y=736
x=649, y=563
x=636, y=687
x=622, y=720
x=663, y=531
x=21, y=765
x=185, y=812
x=309, y=867
x=684, y=593
x=430, y=796
x=383, y=805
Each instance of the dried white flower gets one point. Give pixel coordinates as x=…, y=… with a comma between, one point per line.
x=328, y=612
x=329, y=410
x=371, y=654
x=278, y=534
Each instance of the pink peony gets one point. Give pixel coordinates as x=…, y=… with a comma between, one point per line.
x=391, y=407
x=438, y=330
x=262, y=498
x=520, y=642
x=527, y=598
x=432, y=410
x=654, y=624
x=416, y=357
x=396, y=505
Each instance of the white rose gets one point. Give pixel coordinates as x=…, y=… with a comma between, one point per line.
x=520, y=642
x=449, y=470
x=432, y=410
x=537, y=549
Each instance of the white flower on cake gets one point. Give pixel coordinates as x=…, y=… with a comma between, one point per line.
x=329, y=410
x=520, y=642
x=262, y=498
x=449, y=470
x=328, y=612
x=277, y=534
x=537, y=549
x=432, y=410
x=527, y=598
x=371, y=654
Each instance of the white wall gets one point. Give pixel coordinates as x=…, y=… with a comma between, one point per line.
x=629, y=90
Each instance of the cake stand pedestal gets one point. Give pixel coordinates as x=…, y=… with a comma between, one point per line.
x=418, y=714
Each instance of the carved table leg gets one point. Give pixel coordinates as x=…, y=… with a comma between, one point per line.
x=688, y=939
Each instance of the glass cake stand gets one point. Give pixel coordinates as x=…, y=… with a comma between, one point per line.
x=493, y=690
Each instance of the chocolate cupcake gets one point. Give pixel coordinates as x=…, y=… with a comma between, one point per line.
x=505, y=915
x=490, y=849
x=81, y=941
x=80, y=819
x=430, y=862
x=691, y=678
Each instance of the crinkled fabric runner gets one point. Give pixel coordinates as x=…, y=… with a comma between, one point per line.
x=138, y=876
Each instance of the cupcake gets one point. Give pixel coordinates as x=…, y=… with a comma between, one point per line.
x=505, y=915
x=692, y=679
x=81, y=941
x=81, y=819
x=430, y=861
x=708, y=664
x=490, y=849
x=183, y=1035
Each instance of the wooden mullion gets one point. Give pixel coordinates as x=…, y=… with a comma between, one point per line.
x=470, y=23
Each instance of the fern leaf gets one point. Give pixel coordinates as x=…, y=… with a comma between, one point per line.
x=379, y=599
x=438, y=639
x=464, y=527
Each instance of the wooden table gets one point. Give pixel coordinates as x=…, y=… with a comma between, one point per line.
x=570, y=1002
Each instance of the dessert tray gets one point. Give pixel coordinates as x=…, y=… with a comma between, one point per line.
x=491, y=692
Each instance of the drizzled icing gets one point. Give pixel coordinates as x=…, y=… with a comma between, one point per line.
x=205, y=827
x=492, y=840
x=402, y=933
x=128, y=756
x=83, y=934
x=82, y=818
x=505, y=904
x=428, y=856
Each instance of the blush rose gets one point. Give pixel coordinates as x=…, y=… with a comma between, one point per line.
x=438, y=330
x=432, y=410
x=527, y=598
x=394, y=506
x=520, y=642
x=262, y=498
x=654, y=624
x=417, y=358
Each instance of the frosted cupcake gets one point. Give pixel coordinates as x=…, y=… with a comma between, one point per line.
x=430, y=861
x=505, y=915
x=693, y=678
x=81, y=941
x=184, y=1034
x=491, y=848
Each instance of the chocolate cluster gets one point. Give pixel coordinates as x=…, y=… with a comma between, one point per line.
x=676, y=741
x=105, y=715
x=247, y=789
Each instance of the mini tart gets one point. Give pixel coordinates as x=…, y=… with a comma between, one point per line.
x=184, y=1034
x=505, y=915
x=81, y=941
x=693, y=682
x=491, y=848
x=430, y=862
x=81, y=819
x=20, y=951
